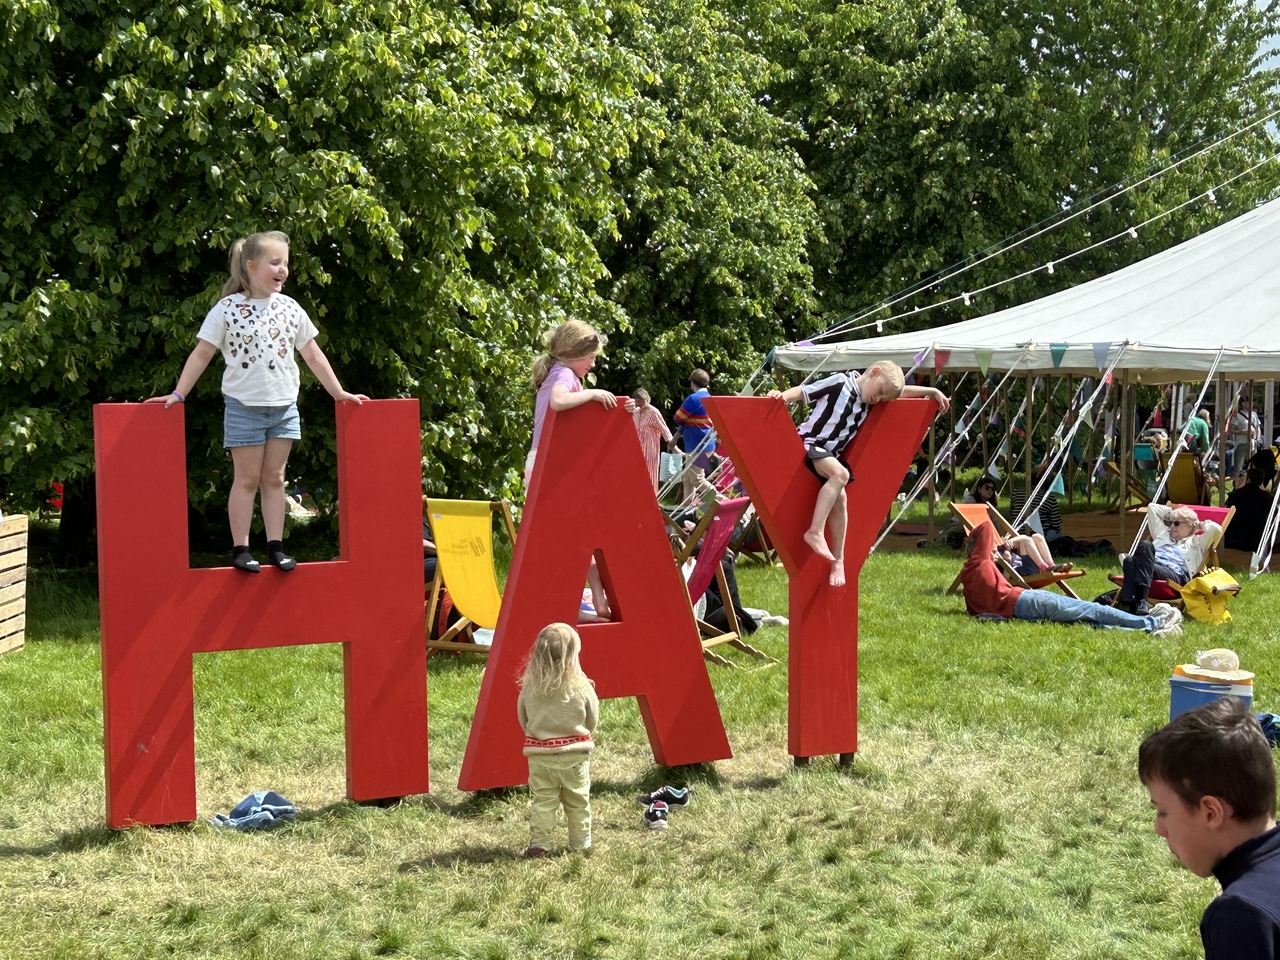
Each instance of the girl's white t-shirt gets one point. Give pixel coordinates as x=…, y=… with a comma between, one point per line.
x=258, y=339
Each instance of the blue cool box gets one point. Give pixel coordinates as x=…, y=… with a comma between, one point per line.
x=1187, y=694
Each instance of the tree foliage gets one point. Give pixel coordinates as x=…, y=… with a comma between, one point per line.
x=442, y=172
x=702, y=180
x=936, y=129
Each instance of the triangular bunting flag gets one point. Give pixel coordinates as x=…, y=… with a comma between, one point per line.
x=995, y=418
x=1086, y=414
x=993, y=470
x=1057, y=487
x=984, y=359
x=940, y=358
x=1056, y=350
x=1100, y=351
x=1107, y=377
x=919, y=357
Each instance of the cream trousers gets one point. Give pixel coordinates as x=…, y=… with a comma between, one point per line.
x=556, y=780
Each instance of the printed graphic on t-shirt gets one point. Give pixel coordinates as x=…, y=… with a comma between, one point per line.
x=258, y=339
x=254, y=338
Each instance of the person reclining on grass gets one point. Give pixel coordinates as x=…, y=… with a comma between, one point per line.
x=841, y=403
x=988, y=594
x=1211, y=778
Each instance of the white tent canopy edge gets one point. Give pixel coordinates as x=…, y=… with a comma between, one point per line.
x=1176, y=310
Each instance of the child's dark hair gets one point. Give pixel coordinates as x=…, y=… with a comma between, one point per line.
x=1217, y=750
x=700, y=379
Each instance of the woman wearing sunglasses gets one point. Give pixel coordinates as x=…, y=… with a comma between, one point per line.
x=1179, y=543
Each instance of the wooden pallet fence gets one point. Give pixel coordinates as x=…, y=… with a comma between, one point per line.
x=13, y=582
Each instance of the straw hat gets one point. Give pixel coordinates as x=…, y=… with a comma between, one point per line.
x=1217, y=664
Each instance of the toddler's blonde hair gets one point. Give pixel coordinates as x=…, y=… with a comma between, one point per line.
x=242, y=251
x=890, y=373
x=572, y=340
x=552, y=669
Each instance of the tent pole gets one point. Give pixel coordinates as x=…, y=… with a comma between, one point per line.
x=932, y=472
x=1224, y=421
x=1088, y=460
x=1008, y=438
x=1027, y=434
x=1121, y=435
x=986, y=460
x=1268, y=412
x=951, y=384
x=1071, y=460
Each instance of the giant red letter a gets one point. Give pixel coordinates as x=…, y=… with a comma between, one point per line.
x=822, y=702
x=591, y=495
x=156, y=611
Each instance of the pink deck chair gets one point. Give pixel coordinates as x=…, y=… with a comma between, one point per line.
x=1164, y=591
x=713, y=532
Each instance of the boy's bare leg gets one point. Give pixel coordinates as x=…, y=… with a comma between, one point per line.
x=838, y=524
x=836, y=476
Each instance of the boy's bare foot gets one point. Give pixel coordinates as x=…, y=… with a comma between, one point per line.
x=818, y=544
x=837, y=573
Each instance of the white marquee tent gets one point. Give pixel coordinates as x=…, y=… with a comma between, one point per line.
x=1177, y=309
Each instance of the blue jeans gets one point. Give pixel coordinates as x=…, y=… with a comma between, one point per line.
x=1059, y=608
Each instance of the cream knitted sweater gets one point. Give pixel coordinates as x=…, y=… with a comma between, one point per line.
x=555, y=725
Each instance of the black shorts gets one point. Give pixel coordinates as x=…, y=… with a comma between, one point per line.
x=808, y=462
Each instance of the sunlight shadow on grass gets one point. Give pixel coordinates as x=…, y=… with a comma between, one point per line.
x=469, y=854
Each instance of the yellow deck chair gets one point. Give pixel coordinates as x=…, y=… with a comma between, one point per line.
x=463, y=534
x=1186, y=481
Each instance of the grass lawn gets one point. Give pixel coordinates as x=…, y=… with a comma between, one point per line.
x=993, y=810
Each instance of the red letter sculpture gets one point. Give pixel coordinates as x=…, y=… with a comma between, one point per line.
x=157, y=611
x=591, y=494
x=822, y=702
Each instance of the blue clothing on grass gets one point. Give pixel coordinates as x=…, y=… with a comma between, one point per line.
x=1059, y=608
x=258, y=811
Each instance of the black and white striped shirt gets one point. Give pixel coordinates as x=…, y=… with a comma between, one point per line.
x=838, y=411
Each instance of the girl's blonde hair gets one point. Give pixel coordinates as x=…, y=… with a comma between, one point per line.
x=242, y=251
x=552, y=669
x=572, y=340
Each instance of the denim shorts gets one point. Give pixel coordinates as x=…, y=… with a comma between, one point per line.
x=244, y=426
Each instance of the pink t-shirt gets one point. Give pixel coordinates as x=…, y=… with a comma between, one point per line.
x=557, y=374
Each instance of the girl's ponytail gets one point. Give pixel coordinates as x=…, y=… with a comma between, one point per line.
x=242, y=251
x=541, y=367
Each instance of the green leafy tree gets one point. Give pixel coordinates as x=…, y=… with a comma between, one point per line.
x=710, y=262
x=936, y=129
x=443, y=172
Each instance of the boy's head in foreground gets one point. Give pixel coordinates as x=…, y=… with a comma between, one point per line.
x=881, y=381
x=1212, y=781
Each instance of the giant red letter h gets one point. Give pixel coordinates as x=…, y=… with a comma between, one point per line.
x=156, y=611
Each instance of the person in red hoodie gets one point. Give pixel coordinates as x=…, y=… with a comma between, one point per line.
x=988, y=594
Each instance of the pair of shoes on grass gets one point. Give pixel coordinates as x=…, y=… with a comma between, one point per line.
x=242, y=559
x=1169, y=619
x=659, y=803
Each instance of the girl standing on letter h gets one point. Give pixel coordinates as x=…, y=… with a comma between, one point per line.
x=257, y=329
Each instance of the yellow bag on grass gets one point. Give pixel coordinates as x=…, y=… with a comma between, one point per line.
x=1205, y=597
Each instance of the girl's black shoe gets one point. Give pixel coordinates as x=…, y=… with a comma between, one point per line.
x=277, y=556
x=242, y=559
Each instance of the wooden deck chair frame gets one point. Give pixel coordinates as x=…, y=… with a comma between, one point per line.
x=1134, y=488
x=973, y=515
x=463, y=627
x=683, y=544
x=753, y=531
x=1168, y=591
